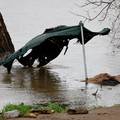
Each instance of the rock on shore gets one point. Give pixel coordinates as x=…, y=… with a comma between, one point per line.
x=105, y=79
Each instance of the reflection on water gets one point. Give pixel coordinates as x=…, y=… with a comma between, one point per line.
x=35, y=85
x=28, y=85
x=35, y=79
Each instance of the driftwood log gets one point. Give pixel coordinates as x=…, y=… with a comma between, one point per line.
x=105, y=79
x=6, y=46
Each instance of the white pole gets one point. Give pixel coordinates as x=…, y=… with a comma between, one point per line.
x=84, y=54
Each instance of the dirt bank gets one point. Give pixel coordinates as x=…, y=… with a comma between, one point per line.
x=111, y=113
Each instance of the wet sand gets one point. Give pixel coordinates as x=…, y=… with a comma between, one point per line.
x=107, y=113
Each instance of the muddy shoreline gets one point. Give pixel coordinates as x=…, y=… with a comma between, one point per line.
x=106, y=113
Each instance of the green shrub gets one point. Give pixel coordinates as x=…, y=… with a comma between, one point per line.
x=21, y=107
x=50, y=106
x=24, y=109
x=56, y=107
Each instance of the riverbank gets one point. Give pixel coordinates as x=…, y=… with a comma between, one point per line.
x=107, y=113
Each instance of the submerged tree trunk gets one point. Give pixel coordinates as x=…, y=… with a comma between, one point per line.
x=6, y=45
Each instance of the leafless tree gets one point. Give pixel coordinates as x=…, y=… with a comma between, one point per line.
x=103, y=10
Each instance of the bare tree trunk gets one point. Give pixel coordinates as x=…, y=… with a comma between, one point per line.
x=6, y=45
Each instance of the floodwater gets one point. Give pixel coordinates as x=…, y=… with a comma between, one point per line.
x=60, y=80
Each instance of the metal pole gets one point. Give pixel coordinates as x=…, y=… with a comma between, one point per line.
x=84, y=54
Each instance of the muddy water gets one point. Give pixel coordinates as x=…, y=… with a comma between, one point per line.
x=61, y=79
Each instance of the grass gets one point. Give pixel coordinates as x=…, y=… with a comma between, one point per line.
x=2, y=117
x=24, y=109
x=56, y=107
